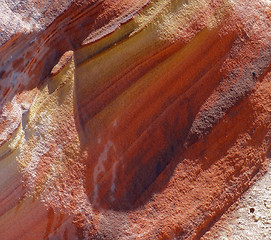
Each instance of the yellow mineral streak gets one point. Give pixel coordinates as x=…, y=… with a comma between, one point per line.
x=119, y=88
x=100, y=64
x=54, y=182
x=51, y=110
x=162, y=19
x=132, y=94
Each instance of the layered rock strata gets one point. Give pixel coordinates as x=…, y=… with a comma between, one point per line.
x=130, y=119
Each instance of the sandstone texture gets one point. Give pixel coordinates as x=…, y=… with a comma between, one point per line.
x=249, y=217
x=131, y=119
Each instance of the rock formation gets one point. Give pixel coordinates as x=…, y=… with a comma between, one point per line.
x=130, y=119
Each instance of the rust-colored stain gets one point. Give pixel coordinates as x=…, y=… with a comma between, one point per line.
x=141, y=119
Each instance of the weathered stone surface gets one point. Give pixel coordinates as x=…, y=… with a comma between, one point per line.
x=155, y=119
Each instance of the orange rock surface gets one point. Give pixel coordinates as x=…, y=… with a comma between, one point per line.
x=142, y=119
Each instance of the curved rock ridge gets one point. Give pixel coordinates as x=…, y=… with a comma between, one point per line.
x=130, y=119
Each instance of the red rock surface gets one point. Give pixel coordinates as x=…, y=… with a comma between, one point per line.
x=153, y=122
